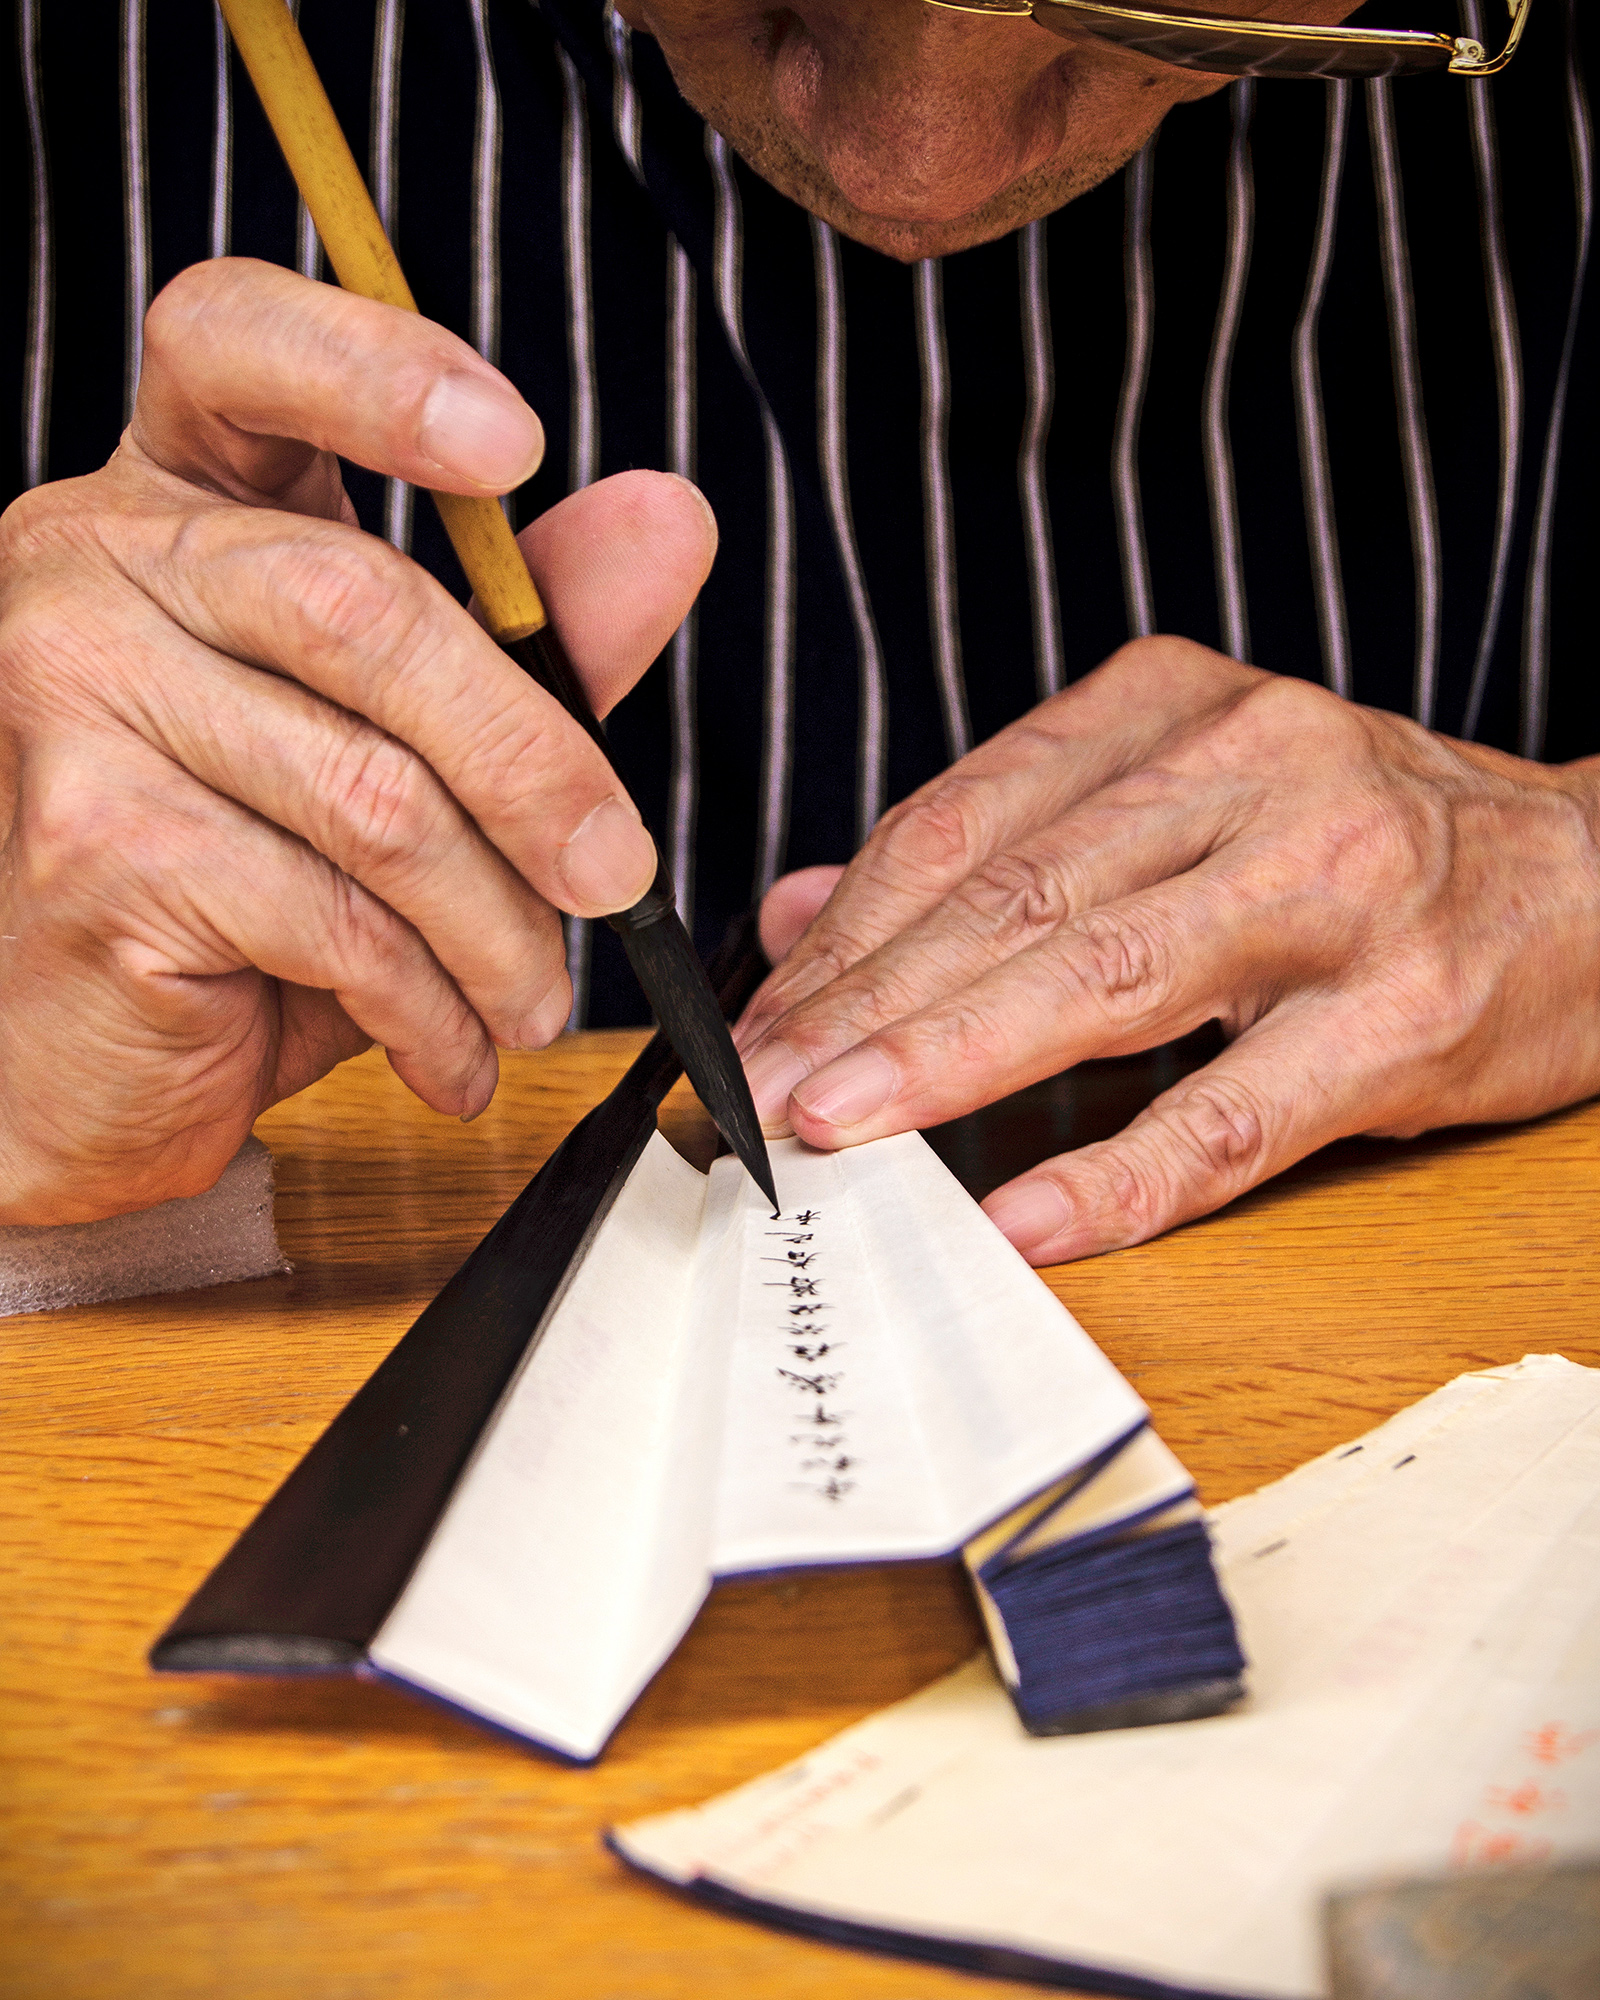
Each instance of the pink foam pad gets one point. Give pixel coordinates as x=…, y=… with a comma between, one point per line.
x=202, y=1239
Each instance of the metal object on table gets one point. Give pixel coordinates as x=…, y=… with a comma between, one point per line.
x=1513, y=1933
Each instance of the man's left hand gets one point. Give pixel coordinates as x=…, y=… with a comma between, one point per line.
x=1396, y=931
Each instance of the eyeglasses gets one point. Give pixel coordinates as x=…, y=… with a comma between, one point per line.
x=1231, y=47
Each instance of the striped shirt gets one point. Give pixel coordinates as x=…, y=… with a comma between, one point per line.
x=1310, y=380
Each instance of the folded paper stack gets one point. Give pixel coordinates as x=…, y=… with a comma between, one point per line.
x=870, y=1375
x=1422, y=1612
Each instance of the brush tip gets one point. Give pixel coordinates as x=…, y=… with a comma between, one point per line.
x=759, y=1168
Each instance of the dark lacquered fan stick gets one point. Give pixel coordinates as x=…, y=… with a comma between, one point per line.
x=308, y=1583
x=330, y=182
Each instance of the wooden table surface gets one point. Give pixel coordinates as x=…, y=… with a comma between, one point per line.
x=330, y=1840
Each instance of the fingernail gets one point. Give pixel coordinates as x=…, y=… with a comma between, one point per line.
x=1030, y=1213
x=773, y=1071
x=705, y=506
x=610, y=861
x=539, y=1028
x=488, y=1076
x=846, y=1091
x=475, y=431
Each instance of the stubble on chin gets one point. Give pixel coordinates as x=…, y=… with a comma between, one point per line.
x=772, y=148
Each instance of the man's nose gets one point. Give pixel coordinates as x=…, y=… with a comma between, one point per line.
x=919, y=113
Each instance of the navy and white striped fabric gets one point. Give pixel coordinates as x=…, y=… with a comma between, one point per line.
x=1310, y=380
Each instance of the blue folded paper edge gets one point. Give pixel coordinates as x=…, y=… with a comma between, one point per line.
x=1097, y=1674
x=369, y=1670
x=1072, y=1482
x=1170, y=1628
x=885, y=1940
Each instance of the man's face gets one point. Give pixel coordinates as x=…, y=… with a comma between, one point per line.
x=914, y=129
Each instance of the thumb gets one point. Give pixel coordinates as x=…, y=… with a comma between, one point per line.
x=619, y=565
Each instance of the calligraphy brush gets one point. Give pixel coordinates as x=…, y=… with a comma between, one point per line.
x=652, y=933
x=306, y=1586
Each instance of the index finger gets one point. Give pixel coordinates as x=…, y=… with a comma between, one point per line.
x=1009, y=788
x=349, y=617
x=249, y=370
x=1119, y=978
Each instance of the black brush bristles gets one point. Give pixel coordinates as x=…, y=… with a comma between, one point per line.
x=661, y=954
x=676, y=985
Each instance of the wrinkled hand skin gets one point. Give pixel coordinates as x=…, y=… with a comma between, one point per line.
x=1396, y=931
x=267, y=792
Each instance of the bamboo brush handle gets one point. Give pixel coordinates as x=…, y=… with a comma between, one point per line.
x=330, y=183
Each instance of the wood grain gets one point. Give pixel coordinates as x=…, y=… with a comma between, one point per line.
x=176, y=1838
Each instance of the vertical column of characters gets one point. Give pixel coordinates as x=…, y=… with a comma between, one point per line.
x=819, y=1448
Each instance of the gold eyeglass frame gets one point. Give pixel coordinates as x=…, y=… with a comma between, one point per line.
x=1229, y=46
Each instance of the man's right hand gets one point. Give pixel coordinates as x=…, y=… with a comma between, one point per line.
x=268, y=793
